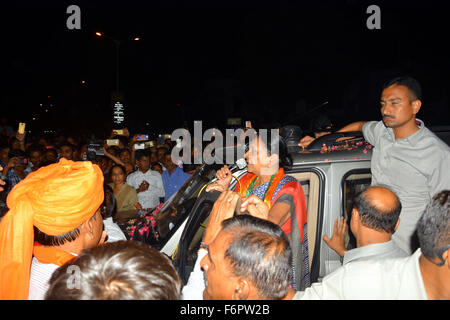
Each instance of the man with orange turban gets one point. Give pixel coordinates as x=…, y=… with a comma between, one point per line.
x=57, y=205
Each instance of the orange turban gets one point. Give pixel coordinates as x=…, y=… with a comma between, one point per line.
x=56, y=199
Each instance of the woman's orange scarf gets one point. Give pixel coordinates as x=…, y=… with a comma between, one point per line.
x=247, y=180
x=56, y=199
x=293, y=188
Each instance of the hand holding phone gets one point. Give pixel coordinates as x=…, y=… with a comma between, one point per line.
x=118, y=132
x=142, y=137
x=112, y=142
x=22, y=161
x=21, y=129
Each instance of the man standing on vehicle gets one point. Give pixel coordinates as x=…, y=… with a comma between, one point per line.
x=407, y=156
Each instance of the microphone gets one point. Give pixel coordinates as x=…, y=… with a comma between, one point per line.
x=238, y=165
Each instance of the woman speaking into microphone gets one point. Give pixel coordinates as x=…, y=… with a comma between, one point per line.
x=269, y=193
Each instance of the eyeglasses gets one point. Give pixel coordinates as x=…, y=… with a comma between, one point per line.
x=440, y=253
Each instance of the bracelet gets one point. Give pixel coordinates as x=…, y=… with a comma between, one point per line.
x=203, y=245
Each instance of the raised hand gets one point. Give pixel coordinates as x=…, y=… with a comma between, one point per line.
x=337, y=241
x=223, y=209
x=224, y=177
x=255, y=207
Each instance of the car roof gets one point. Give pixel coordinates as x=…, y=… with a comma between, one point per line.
x=348, y=151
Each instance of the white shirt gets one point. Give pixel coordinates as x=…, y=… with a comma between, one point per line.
x=193, y=290
x=113, y=230
x=383, y=250
x=389, y=279
x=39, y=277
x=148, y=199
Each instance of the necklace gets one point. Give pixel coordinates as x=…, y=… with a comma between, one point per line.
x=252, y=185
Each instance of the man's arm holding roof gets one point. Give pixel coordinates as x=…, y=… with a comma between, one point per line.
x=354, y=126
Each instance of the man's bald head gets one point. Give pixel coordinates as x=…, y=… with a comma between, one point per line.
x=379, y=208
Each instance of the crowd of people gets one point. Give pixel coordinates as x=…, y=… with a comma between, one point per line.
x=58, y=238
x=140, y=178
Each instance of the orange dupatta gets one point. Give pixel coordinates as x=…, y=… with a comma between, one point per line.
x=51, y=255
x=247, y=180
x=292, y=188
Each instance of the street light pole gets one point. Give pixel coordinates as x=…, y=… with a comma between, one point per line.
x=117, y=43
x=118, y=114
x=117, y=66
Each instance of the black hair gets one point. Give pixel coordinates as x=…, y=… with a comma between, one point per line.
x=141, y=153
x=53, y=241
x=124, y=150
x=275, y=144
x=108, y=207
x=116, y=165
x=16, y=153
x=114, y=150
x=51, y=150
x=68, y=144
x=189, y=167
x=155, y=164
x=260, y=251
x=376, y=218
x=46, y=163
x=122, y=139
x=13, y=139
x=121, y=270
x=162, y=148
x=321, y=123
x=433, y=227
x=33, y=148
x=414, y=88
x=168, y=153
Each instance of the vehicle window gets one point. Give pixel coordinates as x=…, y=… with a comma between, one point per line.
x=353, y=182
x=171, y=214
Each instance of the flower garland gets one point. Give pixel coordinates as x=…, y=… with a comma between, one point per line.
x=143, y=225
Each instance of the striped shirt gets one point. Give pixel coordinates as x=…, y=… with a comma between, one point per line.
x=39, y=278
x=13, y=178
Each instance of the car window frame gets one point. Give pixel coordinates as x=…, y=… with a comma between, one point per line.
x=342, y=192
x=315, y=264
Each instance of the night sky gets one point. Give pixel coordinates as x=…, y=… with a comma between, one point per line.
x=269, y=62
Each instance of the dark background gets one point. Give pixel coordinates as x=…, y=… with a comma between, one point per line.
x=269, y=62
